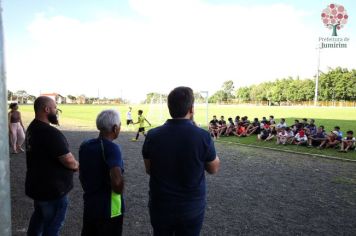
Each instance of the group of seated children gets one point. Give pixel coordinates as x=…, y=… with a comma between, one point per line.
x=300, y=133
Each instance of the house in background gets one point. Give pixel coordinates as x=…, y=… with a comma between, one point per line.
x=59, y=99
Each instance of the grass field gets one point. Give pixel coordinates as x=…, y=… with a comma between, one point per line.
x=83, y=117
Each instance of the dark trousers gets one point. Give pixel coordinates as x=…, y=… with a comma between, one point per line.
x=182, y=223
x=107, y=227
x=48, y=217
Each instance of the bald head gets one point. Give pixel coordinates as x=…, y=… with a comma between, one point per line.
x=41, y=103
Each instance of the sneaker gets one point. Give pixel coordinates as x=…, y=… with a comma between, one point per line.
x=134, y=140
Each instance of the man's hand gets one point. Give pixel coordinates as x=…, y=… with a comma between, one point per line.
x=212, y=167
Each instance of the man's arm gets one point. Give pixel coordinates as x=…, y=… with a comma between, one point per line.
x=147, y=166
x=69, y=161
x=212, y=167
x=117, y=180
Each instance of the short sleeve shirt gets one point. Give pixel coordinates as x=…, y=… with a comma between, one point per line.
x=128, y=115
x=95, y=163
x=141, y=120
x=178, y=151
x=46, y=177
x=222, y=122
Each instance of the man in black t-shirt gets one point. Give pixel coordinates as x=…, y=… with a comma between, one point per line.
x=50, y=167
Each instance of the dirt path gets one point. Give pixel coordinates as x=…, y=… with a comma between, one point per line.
x=257, y=192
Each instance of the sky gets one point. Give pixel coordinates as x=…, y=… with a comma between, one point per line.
x=128, y=48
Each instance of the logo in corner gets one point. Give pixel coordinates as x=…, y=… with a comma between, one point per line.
x=334, y=17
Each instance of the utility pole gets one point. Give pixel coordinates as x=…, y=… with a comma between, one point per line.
x=317, y=78
x=207, y=106
x=5, y=205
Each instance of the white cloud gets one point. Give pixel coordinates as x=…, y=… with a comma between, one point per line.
x=170, y=43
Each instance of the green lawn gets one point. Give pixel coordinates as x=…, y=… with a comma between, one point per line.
x=83, y=117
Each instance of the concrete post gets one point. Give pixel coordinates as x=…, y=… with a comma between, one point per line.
x=5, y=202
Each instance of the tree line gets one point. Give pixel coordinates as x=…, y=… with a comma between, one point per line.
x=336, y=85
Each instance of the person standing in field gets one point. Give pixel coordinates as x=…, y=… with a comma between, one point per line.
x=50, y=168
x=129, y=120
x=16, y=128
x=141, y=122
x=101, y=175
x=176, y=156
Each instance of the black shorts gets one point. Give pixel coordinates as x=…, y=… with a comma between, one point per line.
x=141, y=129
x=129, y=122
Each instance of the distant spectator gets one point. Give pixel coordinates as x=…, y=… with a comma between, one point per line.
x=271, y=120
x=296, y=126
x=281, y=124
x=290, y=135
x=240, y=130
x=282, y=136
x=245, y=121
x=265, y=131
x=214, y=127
x=332, y=140
x=272, y=133
x=222, y=126
x=230, y=127
x=311, y=128
x=254, y=127
x=340, y=133
x=300, y=138
x=348, y=142
x=16, y=128
x=318, y=138
x=304, y=122
x=264, y=120
x=237, y=120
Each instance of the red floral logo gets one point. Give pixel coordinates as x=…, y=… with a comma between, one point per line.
x=334, y=17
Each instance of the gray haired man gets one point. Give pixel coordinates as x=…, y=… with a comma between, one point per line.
x=101, y=169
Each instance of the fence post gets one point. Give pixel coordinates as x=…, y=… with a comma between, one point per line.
x=5, y=202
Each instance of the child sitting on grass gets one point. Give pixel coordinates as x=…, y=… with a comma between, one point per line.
x=214, y=127
x=318, y=138
x=282, y=136
x=222, y=126
x=332, y=140
x=348, y=142
x=272, y=134
x=230, y=127
x=265, y=131
x=254, y=127
x=300, y=138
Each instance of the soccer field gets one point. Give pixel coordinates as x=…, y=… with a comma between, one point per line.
x=83, y=116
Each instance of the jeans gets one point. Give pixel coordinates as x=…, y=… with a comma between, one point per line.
x=48, y=217
x=169, y=223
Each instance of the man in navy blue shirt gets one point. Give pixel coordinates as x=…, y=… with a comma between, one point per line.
x=101, y=169
x=176, y=156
